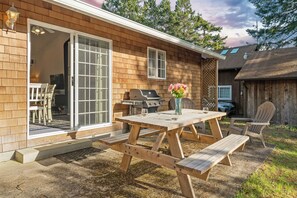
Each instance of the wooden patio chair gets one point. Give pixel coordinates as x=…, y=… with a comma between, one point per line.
x=255, y=126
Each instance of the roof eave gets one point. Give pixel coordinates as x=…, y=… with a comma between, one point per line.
x=108, y=17
x=261, y=79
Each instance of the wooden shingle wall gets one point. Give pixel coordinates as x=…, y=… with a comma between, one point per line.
x=129, y=68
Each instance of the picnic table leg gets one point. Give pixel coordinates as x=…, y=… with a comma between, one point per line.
x=176, y=151
x=215, y=129
x=126, y=160
x=194, y=131
x=159, y=141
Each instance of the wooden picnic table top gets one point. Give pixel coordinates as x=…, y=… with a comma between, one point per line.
x=167, y=120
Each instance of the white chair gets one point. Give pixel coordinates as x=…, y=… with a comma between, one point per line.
x=50, y=95
x=37, y=101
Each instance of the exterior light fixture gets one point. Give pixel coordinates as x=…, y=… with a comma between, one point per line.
x=37, y=30
x=12, y=16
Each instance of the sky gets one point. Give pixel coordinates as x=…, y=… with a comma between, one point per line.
x=235, y=16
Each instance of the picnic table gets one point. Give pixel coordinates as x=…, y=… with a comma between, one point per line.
x=167, y=124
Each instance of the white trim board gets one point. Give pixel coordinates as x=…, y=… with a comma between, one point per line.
x=92, y=11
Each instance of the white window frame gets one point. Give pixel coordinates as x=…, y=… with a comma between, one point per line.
x=225, y=86
x=148, y=61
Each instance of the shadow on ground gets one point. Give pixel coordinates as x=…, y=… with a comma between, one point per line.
x=94, y=172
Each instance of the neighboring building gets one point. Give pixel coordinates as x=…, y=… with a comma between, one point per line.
x=94, y=57
x=272, y=75
x=230, y=90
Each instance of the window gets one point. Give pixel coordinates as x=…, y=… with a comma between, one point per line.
x=224, y=52
x=234, y=51
x=225, y=92
x=156, y=63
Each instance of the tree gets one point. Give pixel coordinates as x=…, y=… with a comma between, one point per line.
x=279, y=21
x=130, y=9
x=149, y=13
x=164, y=17
x=192, y=27
x=183, y=22
x=207, y=35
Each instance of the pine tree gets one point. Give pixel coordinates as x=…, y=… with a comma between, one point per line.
x=164, y=17
x=182, y=20
x=130, y=9
x=149, y=13
x=207, y=35
x=279, y=21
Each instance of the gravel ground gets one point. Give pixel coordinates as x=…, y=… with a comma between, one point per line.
x=94, y=172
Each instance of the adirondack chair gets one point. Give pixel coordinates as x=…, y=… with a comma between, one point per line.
x=255, y=126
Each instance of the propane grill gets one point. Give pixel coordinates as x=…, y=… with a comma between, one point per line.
x=143, y=99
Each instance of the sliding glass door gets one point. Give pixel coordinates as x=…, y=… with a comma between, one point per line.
x=92, y=95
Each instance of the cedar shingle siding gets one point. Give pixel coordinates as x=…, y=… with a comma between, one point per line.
x=129, y=68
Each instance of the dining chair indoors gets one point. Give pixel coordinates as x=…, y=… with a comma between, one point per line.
x=37, y=101
x=254, y=126
x=50, y=95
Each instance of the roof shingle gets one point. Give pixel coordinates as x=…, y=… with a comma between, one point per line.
x=272, y=65
x=235, y=60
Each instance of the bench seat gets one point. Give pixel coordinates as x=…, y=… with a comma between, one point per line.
x=124, y=137
x=200, y=163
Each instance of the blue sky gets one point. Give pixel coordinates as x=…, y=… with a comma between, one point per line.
x=235, y=16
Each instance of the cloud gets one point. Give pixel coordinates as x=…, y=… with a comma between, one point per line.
x=97, y=3
x=244, y=40
x=227, y=13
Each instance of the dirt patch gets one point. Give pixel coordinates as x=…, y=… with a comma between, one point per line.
x=94, y=172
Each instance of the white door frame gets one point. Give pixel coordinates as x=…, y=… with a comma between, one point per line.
x=73, y=65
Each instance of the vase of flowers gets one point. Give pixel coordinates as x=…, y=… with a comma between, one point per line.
x=178, y=91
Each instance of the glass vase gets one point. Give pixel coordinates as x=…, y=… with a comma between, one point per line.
x=178, y=106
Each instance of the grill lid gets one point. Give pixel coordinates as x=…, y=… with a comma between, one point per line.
x=144, y=94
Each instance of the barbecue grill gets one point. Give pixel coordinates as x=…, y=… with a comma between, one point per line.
x=143, y=99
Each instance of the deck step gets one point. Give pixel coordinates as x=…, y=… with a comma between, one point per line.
x=32, y=154
x=124, y=137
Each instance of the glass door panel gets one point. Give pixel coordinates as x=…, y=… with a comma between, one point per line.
x=93, y=81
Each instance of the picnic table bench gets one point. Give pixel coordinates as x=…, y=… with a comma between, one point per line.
x=171, y=126
x=200, y=163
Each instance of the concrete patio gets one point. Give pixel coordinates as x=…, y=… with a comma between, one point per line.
x=94, y=172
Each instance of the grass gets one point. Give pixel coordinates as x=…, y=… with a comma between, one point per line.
x=278, y=175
